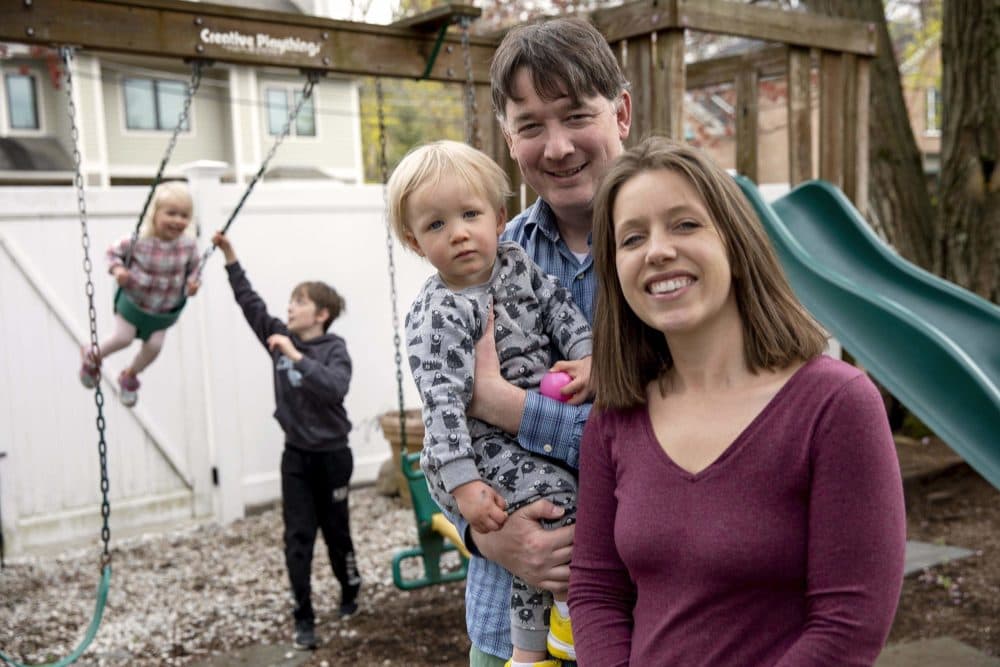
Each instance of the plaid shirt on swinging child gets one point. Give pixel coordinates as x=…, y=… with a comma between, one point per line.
x=159, y=270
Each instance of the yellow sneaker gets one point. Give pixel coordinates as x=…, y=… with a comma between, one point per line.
x=543, y=663
x=560, y=640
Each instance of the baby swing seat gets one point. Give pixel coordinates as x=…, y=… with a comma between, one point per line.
x=145, y=322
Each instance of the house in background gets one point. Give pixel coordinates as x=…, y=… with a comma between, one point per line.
x=127, y=107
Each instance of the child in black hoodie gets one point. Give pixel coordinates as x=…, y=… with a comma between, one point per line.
x=312, y=371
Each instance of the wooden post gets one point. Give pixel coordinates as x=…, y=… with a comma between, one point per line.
x=489, y=130
x=621, y=51
x=831, y=116
x=746, y=123
x=495, y=145
x=856, y=101
x=639, y=71
x=669, y=73
x=800, y=162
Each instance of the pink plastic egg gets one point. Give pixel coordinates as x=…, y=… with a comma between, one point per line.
x=552, y=383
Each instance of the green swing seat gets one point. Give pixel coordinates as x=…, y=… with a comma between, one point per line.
x=436, y=534
x=145, y=322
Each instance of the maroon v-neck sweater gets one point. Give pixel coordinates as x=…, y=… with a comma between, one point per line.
x=787, y=550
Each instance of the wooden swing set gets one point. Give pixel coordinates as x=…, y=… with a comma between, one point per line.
x=647, y=35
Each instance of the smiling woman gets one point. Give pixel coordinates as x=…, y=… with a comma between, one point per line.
x=671, y=260
x=750, y=484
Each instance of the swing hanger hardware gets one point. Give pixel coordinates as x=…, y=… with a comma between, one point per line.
x=312, y=75
x=203, y=62
x=439, y=20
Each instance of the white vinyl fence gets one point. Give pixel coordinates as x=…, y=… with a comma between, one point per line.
x=206, y=403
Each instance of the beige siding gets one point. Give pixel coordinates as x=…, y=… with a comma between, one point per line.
x=138, y=152
x=334, y=148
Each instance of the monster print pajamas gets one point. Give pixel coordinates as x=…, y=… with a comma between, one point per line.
x=532, y=315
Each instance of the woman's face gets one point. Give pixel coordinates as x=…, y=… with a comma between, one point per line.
x=672, y=264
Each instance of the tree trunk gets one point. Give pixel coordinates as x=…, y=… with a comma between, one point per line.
x=969, y=229
x=899, y=200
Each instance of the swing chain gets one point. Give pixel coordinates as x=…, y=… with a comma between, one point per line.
x=312, y=77
x=102, y=447
x=471, y=107
x=182, y=120
x=383, y=164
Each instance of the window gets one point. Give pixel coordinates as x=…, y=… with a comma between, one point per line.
x=933, y=111
x=22, y=102
x=154, y=104
x=280, y=102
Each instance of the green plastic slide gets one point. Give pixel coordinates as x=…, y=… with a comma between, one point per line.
x=934, y=345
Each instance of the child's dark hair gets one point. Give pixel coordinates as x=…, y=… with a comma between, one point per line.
x=323, y=296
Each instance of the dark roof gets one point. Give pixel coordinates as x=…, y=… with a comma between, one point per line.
x=33, y=154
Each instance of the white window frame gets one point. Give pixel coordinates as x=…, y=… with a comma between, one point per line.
x=291, y=91
x=932, y=118
x=155, y=132
x=8, y=129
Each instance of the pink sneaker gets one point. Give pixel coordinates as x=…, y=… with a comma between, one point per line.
x=90, y=370
x=129, y=386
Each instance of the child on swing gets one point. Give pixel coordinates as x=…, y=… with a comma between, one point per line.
x=162, y=272
x=446, y=204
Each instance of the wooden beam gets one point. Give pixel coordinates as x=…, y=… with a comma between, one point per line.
x=800, y=163
x=180, y=29
x=669, y=74
x=433, y=19
x=769, y=62
x=635, y=19
x=735, y=18
x=746, y=123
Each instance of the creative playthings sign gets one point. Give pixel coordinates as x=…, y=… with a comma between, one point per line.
x=260, y=43
x=228, y=34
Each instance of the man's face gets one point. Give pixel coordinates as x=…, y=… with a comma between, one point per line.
x=564, y=149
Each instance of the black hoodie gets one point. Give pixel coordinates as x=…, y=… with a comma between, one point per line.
x=309, y=393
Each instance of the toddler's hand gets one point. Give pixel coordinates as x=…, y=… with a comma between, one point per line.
x=579, y=388
x=192, y=286
x=121, y=275
x=481, y=506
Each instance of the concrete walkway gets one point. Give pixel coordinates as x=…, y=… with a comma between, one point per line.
x=283, y=655
x=942, y=651
x=921, y=555
x=924, y=653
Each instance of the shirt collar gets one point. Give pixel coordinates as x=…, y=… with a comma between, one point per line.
x=544, y=219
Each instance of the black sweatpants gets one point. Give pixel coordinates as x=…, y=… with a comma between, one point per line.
x=314, y=492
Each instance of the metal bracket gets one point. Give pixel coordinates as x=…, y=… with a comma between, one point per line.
x=439, y=19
